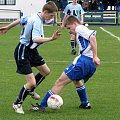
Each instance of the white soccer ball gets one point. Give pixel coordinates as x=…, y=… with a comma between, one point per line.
x=55, y=102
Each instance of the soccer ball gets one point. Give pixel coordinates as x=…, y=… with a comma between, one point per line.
x=55, y=102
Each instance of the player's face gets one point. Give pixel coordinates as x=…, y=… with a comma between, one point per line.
x=75, y=1
x=71, y=28
x=49, y=16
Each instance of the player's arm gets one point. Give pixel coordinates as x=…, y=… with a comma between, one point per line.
x=55, y=35
x=63, y=21
x=81, y=15
x=65, y=16
x=9, y=26
x=93, y=43
x=82, y=19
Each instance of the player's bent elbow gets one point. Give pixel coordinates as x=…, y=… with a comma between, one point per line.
x=35, y=40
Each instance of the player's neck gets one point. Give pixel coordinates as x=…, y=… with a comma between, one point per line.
x=74, y=3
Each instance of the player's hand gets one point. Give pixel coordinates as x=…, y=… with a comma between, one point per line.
x=3, y=30
x=56, y=34
x=81, y=22
x=62, y=26
x=96, y=60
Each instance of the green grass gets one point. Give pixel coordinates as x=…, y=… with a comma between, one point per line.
x=102, y=89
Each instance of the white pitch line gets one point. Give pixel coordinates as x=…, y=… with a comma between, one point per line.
x=102, y=62
x=111, y=34
x=110, y=62
x=46, y=61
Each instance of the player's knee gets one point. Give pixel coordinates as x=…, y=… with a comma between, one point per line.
x=30, y=84
x=31, y=81
x=78, y=83
x=47, y=72
x=57, y=83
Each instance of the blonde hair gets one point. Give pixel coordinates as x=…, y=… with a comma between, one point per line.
x=70, y=20
x=50, y=7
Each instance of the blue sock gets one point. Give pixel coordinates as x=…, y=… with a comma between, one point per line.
x=82, y=94
x=44, y=100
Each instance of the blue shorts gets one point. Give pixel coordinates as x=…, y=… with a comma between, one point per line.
x=81, y=68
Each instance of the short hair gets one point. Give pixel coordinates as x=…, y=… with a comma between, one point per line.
x=50, y=7
x=70, y=20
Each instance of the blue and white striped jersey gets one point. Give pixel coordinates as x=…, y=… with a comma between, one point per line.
x=83, y=40
x=75, y=10
x=33, y=28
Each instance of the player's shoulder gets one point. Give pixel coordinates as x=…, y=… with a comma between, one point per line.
x=34, y=17
x=79, y=5
x=24, y=20
x=68, y=5
x=80, y=27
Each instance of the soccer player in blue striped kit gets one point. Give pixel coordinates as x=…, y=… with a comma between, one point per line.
x=26, y=54
x=83, y=66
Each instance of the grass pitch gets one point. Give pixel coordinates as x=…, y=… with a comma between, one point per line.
x=102, y=89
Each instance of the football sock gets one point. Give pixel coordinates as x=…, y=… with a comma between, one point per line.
x=22, y=95
x=73, y=44
x=44, y=100
x=39, y=78
x=82, y=94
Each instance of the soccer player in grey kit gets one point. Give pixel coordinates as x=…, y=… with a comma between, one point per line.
x=26, y=54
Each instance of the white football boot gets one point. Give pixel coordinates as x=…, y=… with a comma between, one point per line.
x=34, y=95
x=18, y=108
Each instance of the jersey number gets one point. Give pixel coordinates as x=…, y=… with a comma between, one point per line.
x=75, y=12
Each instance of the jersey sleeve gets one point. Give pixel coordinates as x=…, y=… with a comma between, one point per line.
x=23, y=20
x=65, y=10
x=81, y=10
x=84, y=32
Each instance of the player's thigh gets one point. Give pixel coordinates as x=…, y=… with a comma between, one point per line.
x=63, y=80
x=60, y=83
x=44, y=69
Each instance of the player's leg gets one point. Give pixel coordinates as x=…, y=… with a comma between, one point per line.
x=43, y=71
x=38, y=62
x=17, y=105
x=80, y=88
x=73, y=44
x=56, y=89
x=23, y=67
x=39, y=78
x=60, y=83
x=67, y=76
